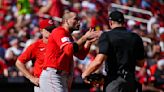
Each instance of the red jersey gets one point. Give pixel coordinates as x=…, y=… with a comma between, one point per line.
x=59, y=53
x=36, y=53
x=56, y=8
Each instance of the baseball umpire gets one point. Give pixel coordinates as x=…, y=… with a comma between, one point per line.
x=122, y=51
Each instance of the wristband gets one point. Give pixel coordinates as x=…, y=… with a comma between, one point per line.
x=75, y=47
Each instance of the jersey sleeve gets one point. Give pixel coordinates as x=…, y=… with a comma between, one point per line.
x=63, y=40
x=103, y=44
x=28, y=54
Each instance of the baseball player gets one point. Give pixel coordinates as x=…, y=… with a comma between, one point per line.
x=59, y=55
x=36, y=53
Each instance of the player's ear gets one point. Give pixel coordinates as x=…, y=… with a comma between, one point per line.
x=42, y=31
x=65, y=21
x=110, y=23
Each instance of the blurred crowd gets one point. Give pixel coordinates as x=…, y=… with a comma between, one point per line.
x=19, y=28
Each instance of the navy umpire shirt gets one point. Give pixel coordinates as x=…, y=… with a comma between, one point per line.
x=123, y=49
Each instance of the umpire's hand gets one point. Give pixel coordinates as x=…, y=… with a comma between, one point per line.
x=94, y=79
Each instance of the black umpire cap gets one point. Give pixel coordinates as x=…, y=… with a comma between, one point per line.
x=116, y=16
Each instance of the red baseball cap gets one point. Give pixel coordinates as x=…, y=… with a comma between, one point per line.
x=46, y=23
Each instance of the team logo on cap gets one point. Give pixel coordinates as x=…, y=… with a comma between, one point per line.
x=50, y=22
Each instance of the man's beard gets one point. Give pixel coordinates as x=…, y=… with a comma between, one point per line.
x=74, y=29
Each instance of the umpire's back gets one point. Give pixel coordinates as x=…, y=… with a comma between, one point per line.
x=124, y=50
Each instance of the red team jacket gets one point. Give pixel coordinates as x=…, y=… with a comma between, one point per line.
x=59, y=53
x=36, y=53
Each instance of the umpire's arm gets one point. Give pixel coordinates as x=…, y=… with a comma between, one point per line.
x=139, y=52
x=93, y=66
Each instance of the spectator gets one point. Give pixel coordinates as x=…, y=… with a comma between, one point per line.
x=157, y=74
x=3, y=68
